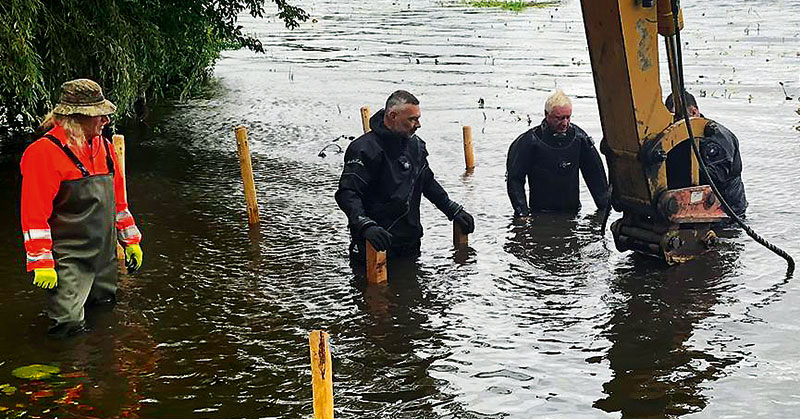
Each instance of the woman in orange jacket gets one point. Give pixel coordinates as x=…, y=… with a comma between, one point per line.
x=74, y=208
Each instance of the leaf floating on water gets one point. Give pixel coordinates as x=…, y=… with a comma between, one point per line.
x=35, y=372
x=7, y=389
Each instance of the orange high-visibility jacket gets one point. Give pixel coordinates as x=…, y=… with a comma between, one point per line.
x=44, y=166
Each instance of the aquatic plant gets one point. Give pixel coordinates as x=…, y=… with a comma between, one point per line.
x=138, y=50
x=513, y=5
x=35, y=372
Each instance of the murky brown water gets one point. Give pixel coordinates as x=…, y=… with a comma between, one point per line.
x=543, y=320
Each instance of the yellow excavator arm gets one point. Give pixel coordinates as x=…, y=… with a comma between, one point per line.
x=653, y=172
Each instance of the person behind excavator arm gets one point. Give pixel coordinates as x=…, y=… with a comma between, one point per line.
x=385, y=174
x=74, y=208
x=549, y=157
x=720, y=151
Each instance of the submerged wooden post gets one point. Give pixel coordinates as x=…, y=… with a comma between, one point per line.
x=247, y=174
x=365, y=118
x=119, y=148
x=469, y=156
x=321, y=374
x=376, y=265
x=460, y=239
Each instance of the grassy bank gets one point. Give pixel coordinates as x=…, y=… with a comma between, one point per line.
x=516, y=6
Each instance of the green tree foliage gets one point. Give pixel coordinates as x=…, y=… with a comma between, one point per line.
x=138, y=50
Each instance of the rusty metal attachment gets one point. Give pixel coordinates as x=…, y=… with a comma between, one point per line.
x=669, y=241
x=695, y=204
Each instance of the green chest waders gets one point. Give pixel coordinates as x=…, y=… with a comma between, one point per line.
x=84, y=246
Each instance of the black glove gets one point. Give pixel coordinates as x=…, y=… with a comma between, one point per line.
x=379, y=237
x=465, y=220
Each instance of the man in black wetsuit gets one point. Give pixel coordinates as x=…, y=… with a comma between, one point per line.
x=720, y=151
x=385, y=174
x=549, y=156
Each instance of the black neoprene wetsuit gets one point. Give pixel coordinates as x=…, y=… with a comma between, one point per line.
x=550, y=162
x=383, y=180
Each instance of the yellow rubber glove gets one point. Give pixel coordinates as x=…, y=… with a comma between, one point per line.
x=133, y=257
x=45, y=278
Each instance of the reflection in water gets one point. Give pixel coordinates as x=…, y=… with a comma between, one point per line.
x=102, y=374
x=556, y=243
x=388, y=375
x=657, y=371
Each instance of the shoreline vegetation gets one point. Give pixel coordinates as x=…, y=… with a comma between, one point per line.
x=139, y=51
x=512, y=5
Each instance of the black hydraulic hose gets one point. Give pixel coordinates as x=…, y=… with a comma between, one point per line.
x=750, y=232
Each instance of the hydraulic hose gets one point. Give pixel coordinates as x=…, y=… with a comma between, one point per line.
x=750, y=232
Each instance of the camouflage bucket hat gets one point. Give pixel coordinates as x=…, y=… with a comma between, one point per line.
x=83, y=97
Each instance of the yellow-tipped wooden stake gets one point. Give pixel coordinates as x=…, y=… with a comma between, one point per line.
x=469, y=156
x=247, y=174
x=376, y=265
x=119, y=148
x=460, y=239
x=321, y=374
x=365, y=118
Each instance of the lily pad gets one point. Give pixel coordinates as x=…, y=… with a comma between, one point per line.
x=7, y=389
x=35, y=372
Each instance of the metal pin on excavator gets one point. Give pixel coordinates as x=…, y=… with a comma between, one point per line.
x=653, y=172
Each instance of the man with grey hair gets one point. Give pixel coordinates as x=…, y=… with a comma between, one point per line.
x=549, y=156
x=385, y=174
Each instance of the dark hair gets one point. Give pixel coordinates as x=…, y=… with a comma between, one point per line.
x=400, y=97
x=690, y=101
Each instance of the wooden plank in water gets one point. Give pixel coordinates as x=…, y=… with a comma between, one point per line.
x=376, y=265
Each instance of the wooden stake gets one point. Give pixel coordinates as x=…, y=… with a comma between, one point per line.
x=321, y=374
x=469, y=157
x=119, y=148
x=376, y=265
x=247, y=174
x=460, y=239
x=365, y=118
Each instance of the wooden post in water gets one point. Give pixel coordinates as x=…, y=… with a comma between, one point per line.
x=460, y=239
x=321, y=374
x=376, y=265
x=365, y=118
x=119, y=148
x=247, y=174
x=469, y=156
